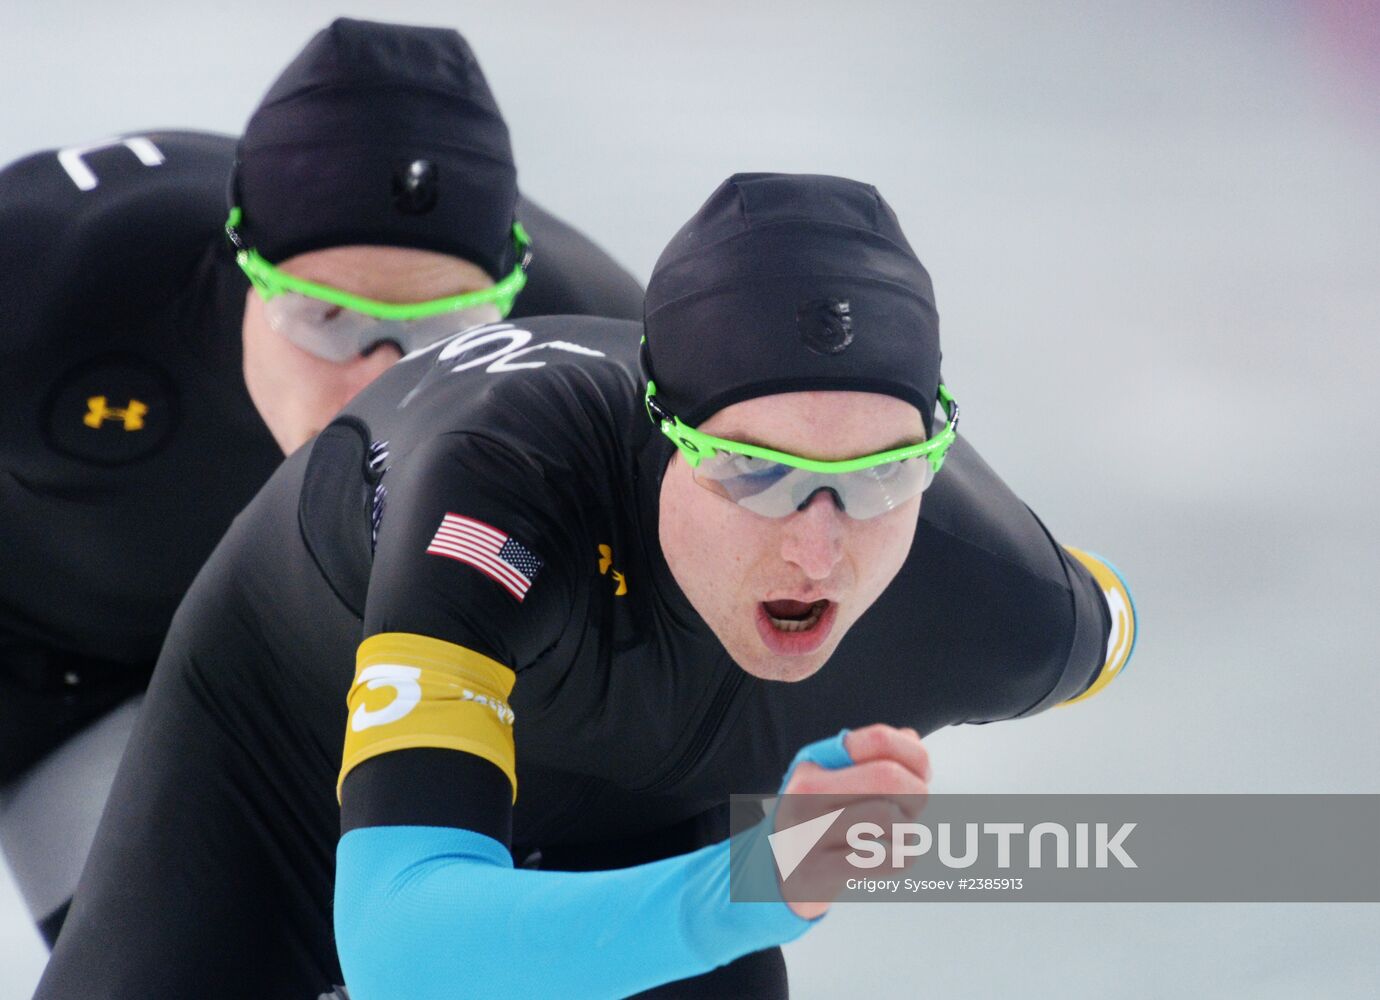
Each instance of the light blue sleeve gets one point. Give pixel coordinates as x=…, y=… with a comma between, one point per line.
x=429, y=912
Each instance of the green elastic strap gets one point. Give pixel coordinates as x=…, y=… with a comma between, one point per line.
x=696, y=445
x=270, y=281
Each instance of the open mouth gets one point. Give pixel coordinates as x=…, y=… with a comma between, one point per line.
x=794, y=616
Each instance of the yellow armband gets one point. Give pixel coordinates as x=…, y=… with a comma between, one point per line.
x=414, y=691
x=1122, y=638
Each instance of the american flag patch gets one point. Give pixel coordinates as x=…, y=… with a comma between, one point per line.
x=488, y=550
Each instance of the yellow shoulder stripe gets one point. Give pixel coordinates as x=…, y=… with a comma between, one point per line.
x=416, y=691
x=1122, y=638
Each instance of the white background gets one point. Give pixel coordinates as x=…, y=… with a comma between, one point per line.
x=1153, y=235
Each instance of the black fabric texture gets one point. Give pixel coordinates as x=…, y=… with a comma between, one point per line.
x=380, y=134
x=48, y=695
x=631, y=719
x=570, y=275
x=387, y=791
x=760, y=975
x=788, y=282
x=336, y=491
x=122, y=292
x=128, y=291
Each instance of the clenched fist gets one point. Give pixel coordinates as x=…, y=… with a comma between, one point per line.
x=886, y=782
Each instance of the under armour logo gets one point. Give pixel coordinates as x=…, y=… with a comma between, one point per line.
x=132, y=416
x=414, y=187
x=826, y=325
x=606, y=564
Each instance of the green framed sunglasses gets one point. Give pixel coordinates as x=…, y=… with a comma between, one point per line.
x=336, y=325
x=776, y=484
x=270, y=282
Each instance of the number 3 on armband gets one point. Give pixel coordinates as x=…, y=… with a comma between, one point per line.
x=403, y=681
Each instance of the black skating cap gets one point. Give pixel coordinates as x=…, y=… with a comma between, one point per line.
x=790, y=282
x=379, y=134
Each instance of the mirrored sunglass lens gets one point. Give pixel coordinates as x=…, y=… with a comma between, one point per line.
x=335, y=333
x=752, y=474
x=872, y=492
x=737, y=476
x=320, y=328
x=773, y=489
